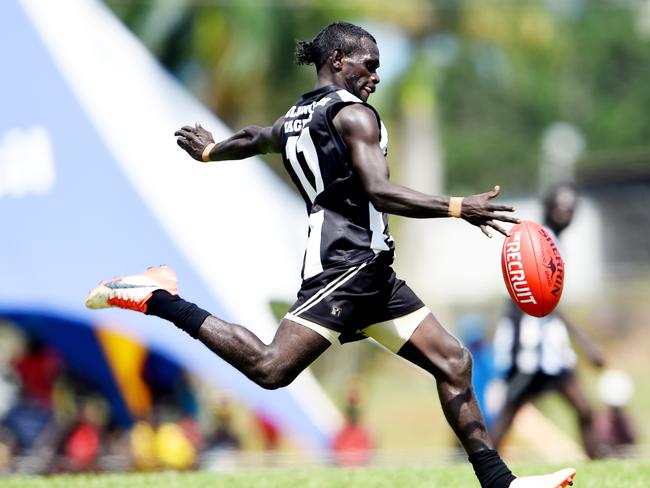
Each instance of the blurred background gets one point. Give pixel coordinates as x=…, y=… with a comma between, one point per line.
x=524, y=94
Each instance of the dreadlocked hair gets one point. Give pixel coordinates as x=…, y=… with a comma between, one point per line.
x=337, y=35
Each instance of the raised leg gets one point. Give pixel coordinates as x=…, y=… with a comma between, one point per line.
x=271, y=366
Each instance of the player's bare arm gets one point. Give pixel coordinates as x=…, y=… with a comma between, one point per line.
x=592, y=349
x=358, y=127
x=250, y=141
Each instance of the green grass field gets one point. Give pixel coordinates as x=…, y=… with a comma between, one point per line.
x=604, y=474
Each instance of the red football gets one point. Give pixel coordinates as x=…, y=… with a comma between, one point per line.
x=532, y=268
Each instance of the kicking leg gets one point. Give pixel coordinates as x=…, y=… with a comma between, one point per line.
x=271, y=366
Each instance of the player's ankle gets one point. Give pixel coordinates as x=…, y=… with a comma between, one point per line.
x=490, y=469
x=183, y=314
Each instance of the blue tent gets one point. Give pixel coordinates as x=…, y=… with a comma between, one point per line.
x=93, y=185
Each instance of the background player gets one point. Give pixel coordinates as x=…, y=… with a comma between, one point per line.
x=536, y=353
x=334, y=145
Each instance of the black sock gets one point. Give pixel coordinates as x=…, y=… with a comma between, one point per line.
x=490, y=469
x=184, y=315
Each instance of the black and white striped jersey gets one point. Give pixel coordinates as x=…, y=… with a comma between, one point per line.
x=344, y=226
x=529, y=345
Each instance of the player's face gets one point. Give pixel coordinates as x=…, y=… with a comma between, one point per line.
x=562, y=210
x=360, y=69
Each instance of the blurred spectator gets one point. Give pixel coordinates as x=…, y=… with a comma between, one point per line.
x=353, y=444
x=173, y=449
x=174, y=437
x=223, y=436
x=271, y=433
x=143, y=446
x=536, y=354
x=32, y=425
x=38, y=369
x=192, y=430
x=60, y=424
x=223, y=443
x=83, y=444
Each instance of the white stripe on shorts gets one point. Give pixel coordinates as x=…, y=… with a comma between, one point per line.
x=329, y=334
x=327, y=290
x=394, y=333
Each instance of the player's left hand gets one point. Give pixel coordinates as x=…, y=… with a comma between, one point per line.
x=193, y=140
x=478, y=211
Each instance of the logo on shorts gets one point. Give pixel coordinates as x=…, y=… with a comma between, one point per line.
x=335, y=311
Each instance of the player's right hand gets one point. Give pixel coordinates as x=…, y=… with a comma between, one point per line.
x=479, y=211
x=194, y=139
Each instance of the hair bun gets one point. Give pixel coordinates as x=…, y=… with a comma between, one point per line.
x=305, y=52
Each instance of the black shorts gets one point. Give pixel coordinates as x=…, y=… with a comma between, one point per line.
x=523, y=387
x=348, y=301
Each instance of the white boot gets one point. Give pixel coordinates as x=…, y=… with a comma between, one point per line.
x=559, y=479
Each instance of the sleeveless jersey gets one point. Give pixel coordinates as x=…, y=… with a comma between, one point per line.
x=345, y=229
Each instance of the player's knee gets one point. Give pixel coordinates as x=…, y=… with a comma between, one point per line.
x=459, y=366
x=268, y=379
x=465, y=363
x=270, y=374
x=273, y=381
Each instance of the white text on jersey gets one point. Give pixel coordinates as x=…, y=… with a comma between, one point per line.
x=300, y=111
